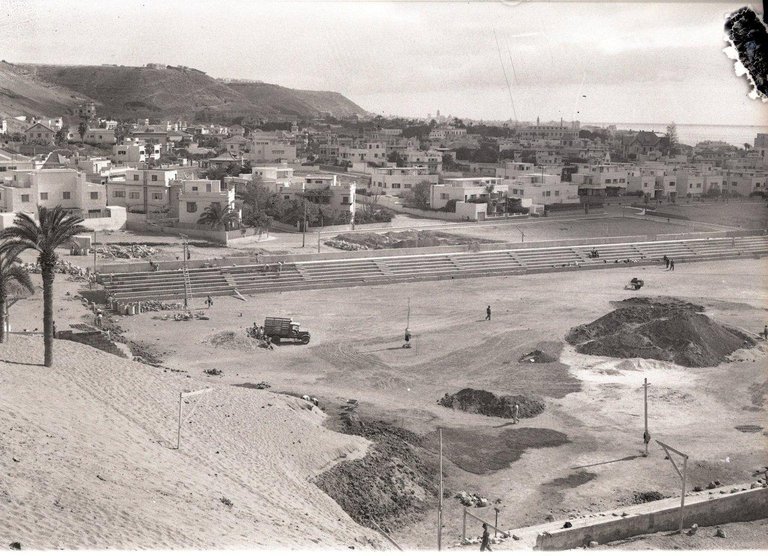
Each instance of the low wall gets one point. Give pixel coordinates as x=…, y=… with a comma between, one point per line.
x=210, y=235
x=116, y=221
x=746, y=505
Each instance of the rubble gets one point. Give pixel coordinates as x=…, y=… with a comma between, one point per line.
x=130, y=251
x=471, y=499
x=62, y=267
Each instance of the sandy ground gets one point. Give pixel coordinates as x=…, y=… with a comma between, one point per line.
x=738, y=536
x=88, y=459
x=597, y=402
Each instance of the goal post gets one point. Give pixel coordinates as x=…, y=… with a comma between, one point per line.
x=182, y=396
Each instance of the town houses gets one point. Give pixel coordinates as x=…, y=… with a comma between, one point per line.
x=173, y=170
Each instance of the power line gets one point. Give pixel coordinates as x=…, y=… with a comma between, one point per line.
x=503, y=69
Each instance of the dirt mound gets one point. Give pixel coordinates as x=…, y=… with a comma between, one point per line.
x=665, y=329
x=488, y=403
x=408, y=238
x=537, y=356
x=393, y=485
x=230, y=339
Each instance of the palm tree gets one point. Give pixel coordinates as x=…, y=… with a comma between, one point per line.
x=14, y=280
x=55, y=228
x=217, y=217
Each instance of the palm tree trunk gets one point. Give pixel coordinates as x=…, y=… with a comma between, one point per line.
x=3, y=309
x=48, y=275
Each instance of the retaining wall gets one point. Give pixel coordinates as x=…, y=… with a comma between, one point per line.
x=746, y=505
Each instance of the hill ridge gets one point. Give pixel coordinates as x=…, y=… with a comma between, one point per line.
x=156, y=91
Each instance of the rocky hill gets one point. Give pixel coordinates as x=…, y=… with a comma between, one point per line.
x=155, y=92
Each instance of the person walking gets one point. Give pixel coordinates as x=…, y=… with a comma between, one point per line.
x=209, y=301
x=516, y=413
x=488, y=313
x=485, y=541
x=407, y=343
x=671, y=264
x=666, y=262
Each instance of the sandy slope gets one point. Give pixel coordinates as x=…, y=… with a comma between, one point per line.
x=86, y=459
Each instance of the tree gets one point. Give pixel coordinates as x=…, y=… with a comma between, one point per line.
x=11, y=274
x=671, y=137
x=53, y=228
x=421, y=195
x=217, y=216
x=82, y=128
x=61, y=136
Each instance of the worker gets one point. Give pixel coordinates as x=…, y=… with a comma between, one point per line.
x=485, y=541
x=488, y=313
x=209, y=301
x=407, y=343
x=765, y=332
x=516, y=413
x=666, y=261
x=671, y=264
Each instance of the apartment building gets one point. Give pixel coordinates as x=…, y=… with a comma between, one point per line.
x=48, y=188
x=692, y=182
x=395, y=181
x=134, y=152
x=432, y=160
x=602, y=180
x=270, y=150
x=447, y=133
x=143, y=189
x=370, y=151
x=745, y=182
x=195, y=196
x=10, y=162
x=100, y=136
x=325, y=190
x=543, y=189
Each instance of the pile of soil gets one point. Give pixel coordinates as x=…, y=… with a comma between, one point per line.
x=229, y=339
x=393, y=485
x=665, y=329
x=488, y=403
x=648, y=496
x=408, y=238
x=537, y=356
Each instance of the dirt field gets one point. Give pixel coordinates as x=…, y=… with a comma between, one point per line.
x=593, y=418
x=746, y=214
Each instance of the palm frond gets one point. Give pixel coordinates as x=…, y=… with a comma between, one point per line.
x=21, y=277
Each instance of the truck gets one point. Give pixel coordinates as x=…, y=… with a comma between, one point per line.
x=278, y=328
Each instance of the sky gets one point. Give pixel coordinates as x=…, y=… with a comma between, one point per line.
x=595, y=62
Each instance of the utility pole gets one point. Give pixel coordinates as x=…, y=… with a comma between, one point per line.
x=440, y=500
x=408, y=323
x=646, y=434
x=304, y=225
x=93, y=248
x=318, y=241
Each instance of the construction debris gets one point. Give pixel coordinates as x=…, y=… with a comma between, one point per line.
x=131, y=251
x=62, y=267
x=471, y=499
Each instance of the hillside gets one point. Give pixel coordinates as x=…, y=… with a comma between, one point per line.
x=88, y=459
x=274, y=98
x=21, y=92
x=165, y=92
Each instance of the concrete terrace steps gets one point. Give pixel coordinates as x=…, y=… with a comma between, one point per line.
x=314, y=274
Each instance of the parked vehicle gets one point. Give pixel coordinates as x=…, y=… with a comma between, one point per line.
x=278, y=328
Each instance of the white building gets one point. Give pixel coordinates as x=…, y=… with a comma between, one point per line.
x=195, y=196
x=134, y=152
x=145, y=190
x=398, y=181
x=100, y=136
x=49, y=188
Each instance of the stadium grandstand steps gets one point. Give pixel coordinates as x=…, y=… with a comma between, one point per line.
x=316, y=274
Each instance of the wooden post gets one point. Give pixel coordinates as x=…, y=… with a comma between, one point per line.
x=682, y=495
x=93, y=248
x=440, y=501
x=318, y=241
x=495, y=531
x=408, y=319
x=178, y=431
x=464, y=525
x=646, y=436
x=682, y=474
x=386, y=536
